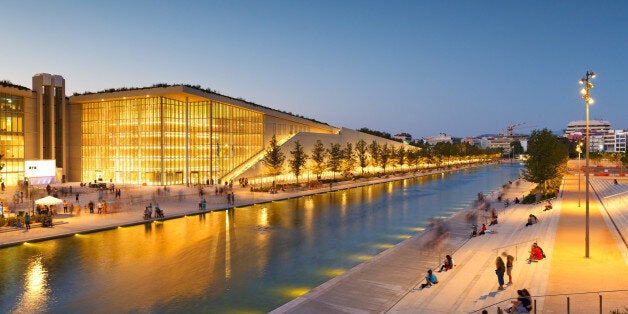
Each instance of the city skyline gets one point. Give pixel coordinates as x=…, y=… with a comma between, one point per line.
x=405, y=67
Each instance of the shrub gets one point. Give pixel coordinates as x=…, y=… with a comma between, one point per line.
x=2, y=222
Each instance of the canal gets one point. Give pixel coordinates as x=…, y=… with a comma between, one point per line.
x=251, y=259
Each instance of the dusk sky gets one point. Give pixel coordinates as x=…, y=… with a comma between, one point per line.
x=460, y=67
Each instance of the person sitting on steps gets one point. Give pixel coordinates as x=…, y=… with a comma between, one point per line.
x=430, y=280
x=548, y=205
x=447, y=264
x=532, y=220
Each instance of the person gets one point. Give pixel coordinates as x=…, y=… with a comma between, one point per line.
x=532, y=220
x=27, y=220
x=615, y=182
x=447, y=264
x=493, y=218
x=474, y=231
x=483, y=229
x=548, y=205
x=523, y=304
x=509, y=263
x=204, y=204
x=158, y=212
x=517, y=200
x=500, y=269
x=430, y=279
x=536, y=253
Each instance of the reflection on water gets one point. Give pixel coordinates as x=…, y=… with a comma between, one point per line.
x=35, y=294
x=251, y=259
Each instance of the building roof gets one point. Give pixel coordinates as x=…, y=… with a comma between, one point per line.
x=192, y=94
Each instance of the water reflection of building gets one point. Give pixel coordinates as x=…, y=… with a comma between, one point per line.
x=158, y=135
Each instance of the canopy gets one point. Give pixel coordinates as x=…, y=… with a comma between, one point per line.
x=49, y=200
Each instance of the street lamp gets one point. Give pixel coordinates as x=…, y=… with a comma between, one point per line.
x=579, y=150
x=586, y=81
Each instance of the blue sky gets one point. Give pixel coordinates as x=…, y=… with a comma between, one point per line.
x=423, y=67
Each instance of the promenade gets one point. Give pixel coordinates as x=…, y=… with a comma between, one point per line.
x=180, y=201
x=389, y=282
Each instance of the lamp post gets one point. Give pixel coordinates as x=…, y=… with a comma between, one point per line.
x=586, y=81
x=579, y=150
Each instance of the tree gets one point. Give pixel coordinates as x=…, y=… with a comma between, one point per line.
x=299, y=158
x=384, y=156
x=413, y=157
x=274, y=158
x=348, y=159
x=335, y=158
x=374, y=149
x=401, y=156
x=517, y=149
x=624, y=158
x=547, y=157
x=360, y=150
x=318, y=159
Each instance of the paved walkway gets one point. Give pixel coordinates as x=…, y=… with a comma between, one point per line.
x=388, y=282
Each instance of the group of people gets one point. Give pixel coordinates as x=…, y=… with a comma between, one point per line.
x=148, y=212
x=430, y=278
x=504, y=268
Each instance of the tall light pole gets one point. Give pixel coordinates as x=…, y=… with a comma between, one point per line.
x=579, y=150
x=586, y=81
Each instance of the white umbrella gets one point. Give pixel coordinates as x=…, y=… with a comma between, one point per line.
x=49, y=200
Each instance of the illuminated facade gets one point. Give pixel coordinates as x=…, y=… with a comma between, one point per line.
x=12, y=135
x=172, y=135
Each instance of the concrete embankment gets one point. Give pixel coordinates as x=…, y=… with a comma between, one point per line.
x=130, y=207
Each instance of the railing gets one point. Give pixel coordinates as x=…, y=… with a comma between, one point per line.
x=567, y=305
x=252, y=160
x=516, y=245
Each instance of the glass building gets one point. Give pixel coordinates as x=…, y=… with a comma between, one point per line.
x=12, y=137
x=172, y=135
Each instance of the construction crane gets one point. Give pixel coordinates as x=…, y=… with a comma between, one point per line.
x=507, y=131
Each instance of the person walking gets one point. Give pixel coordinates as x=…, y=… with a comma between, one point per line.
x=27, y=221
x=500, y=269
x=509, y=263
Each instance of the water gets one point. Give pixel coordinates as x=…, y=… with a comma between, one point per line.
x=253, y=259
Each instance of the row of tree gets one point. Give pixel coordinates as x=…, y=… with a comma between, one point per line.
x=336, y=158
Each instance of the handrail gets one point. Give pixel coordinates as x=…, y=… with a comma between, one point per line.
x=610, y=217
x=549, y=295
x=515, y=244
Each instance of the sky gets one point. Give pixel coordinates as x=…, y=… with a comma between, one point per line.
x=463, y=68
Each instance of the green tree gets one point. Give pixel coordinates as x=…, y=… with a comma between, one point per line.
x=360, y=151
x=547, y=158
x=299, y=158
x=401, y=156
x=348, y=159
x=319, y=154
x=413, y=157
x=335, y=158
x=517, y=149
x=624, y=158
x=384, y=156
x=274, y=158
x=374, y=149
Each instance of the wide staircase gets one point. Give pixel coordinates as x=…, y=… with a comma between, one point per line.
x=473, y=280
x=253, y=160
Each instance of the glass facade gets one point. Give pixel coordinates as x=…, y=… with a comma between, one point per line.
x=144, y=140
x=12, y=138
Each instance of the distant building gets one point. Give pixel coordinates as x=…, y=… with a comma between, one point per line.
x=441, y=137
x=615, y=141
x=404, y=137
x=598, y=132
